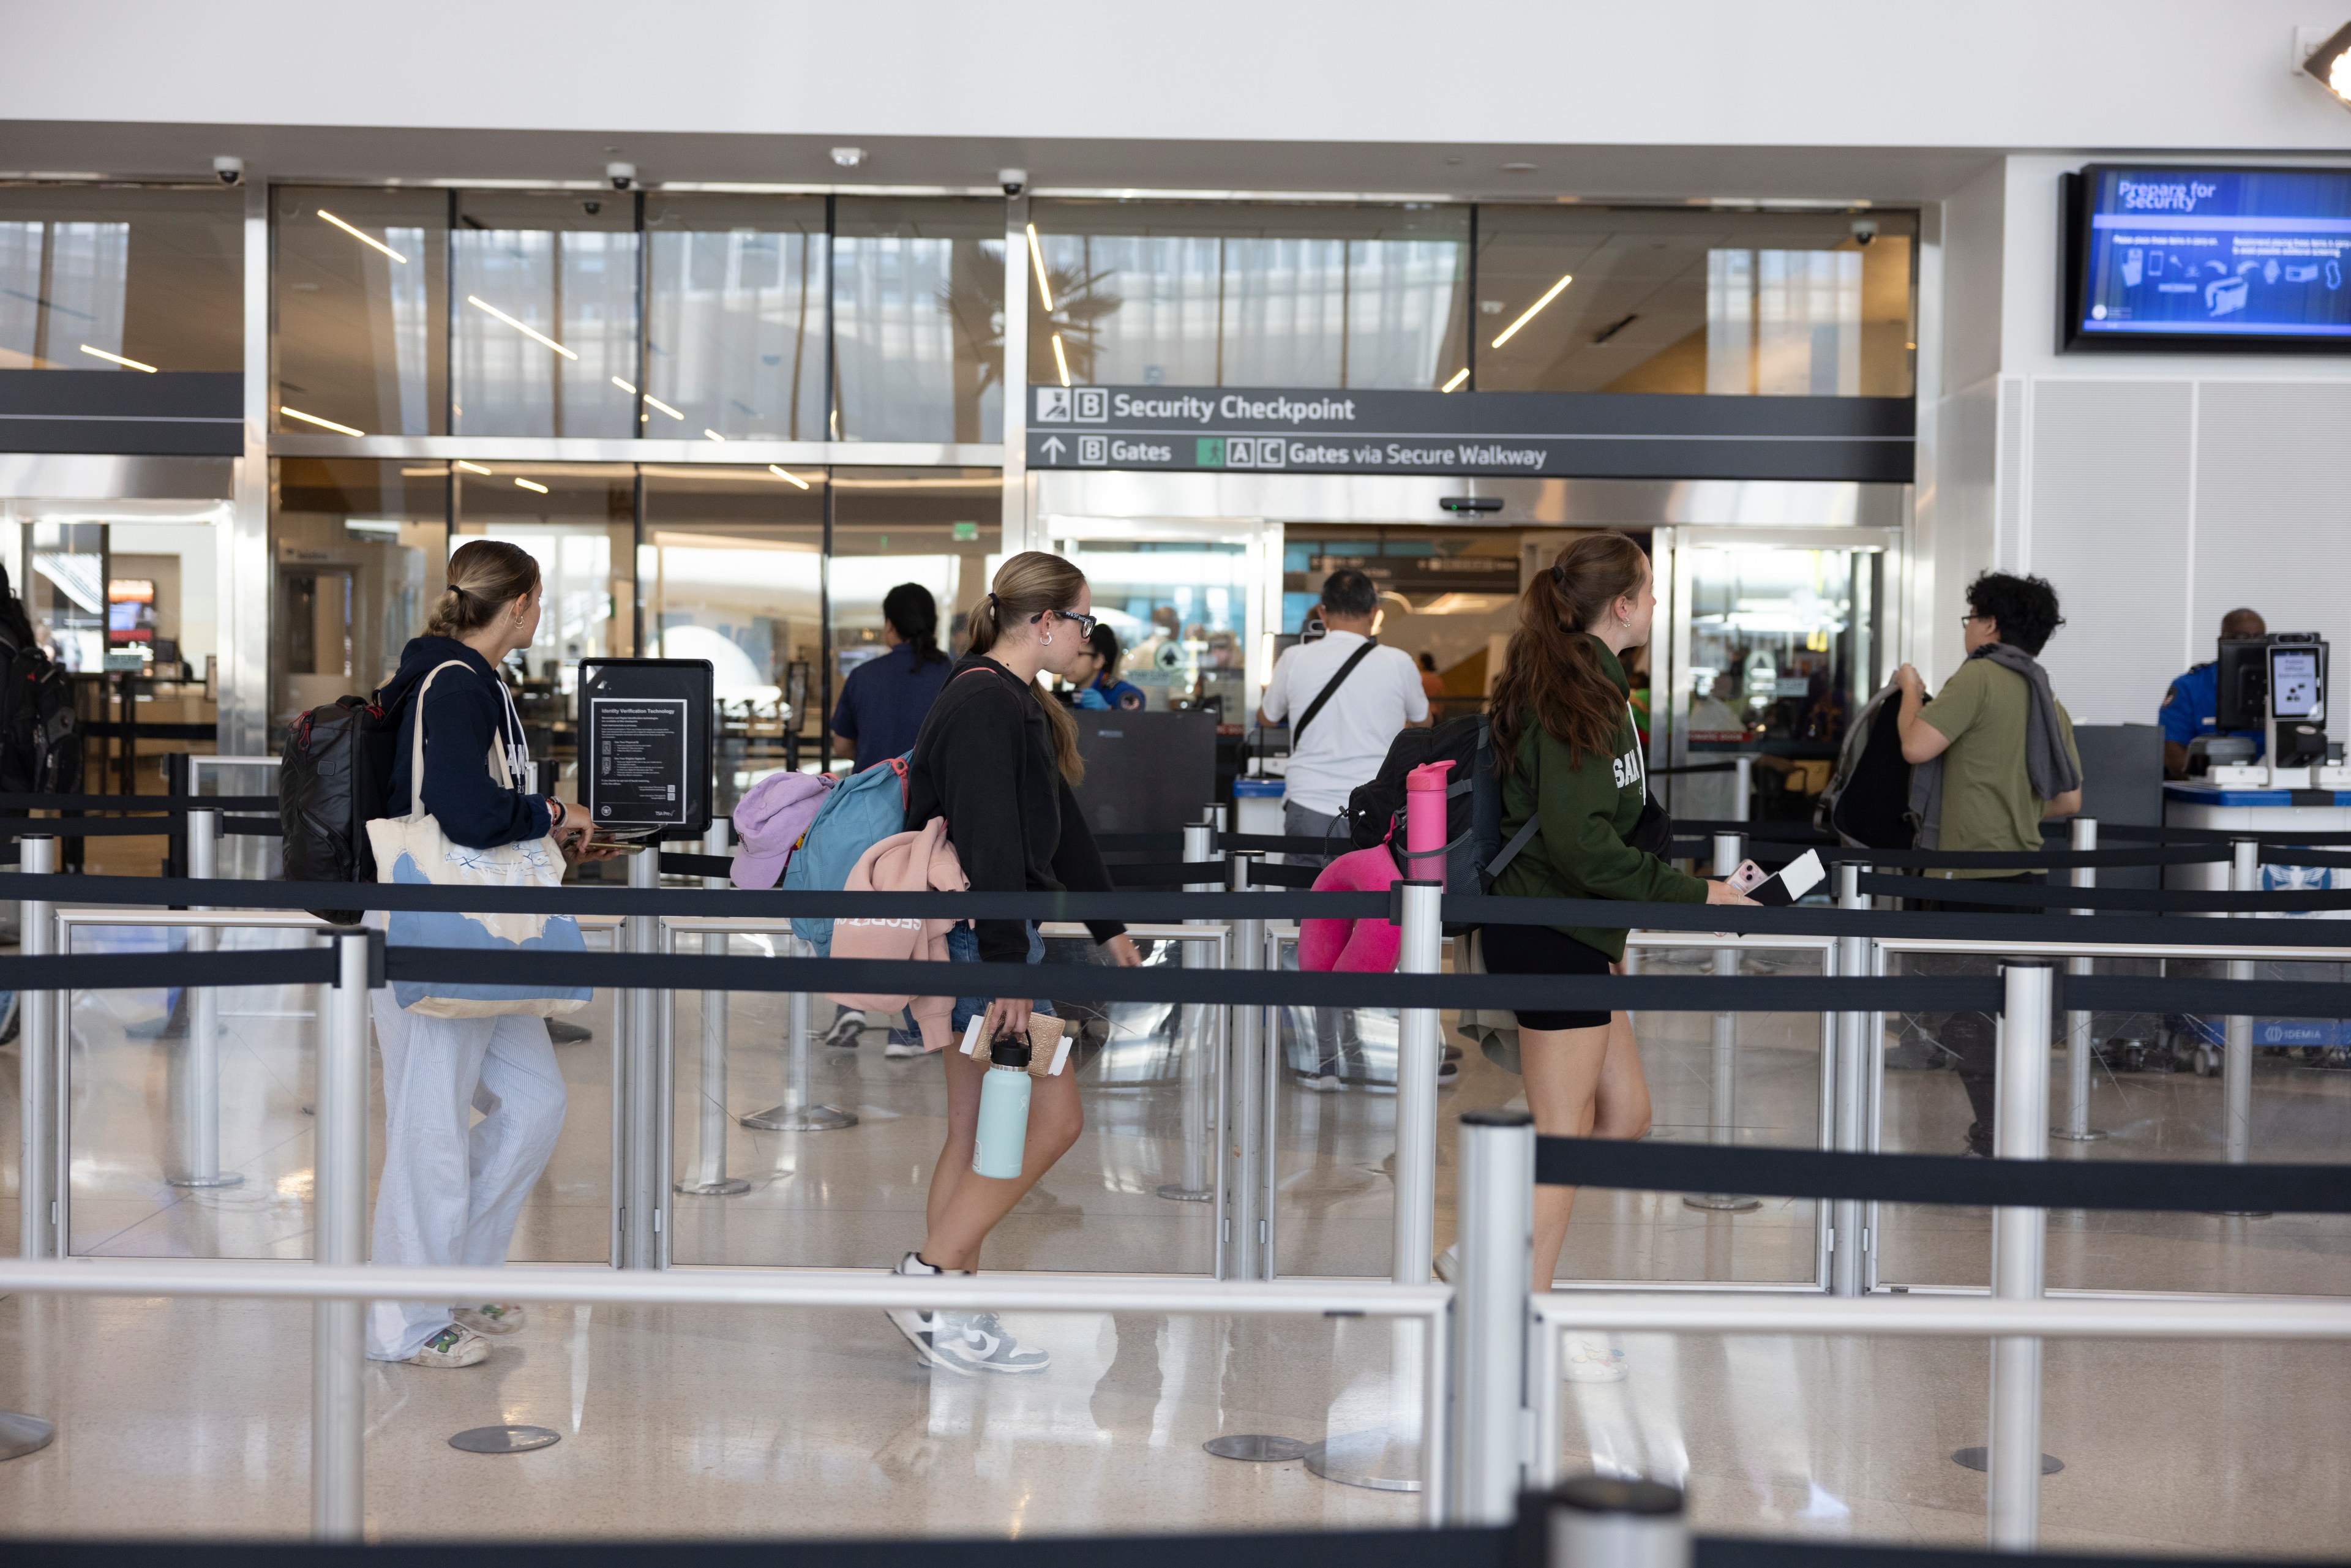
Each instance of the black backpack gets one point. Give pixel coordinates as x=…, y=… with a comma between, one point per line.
x=40, y=732
x=1867, y=801
x=332, y=780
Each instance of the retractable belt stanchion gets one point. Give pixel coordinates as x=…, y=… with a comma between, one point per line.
x=1495, y=1225
x=1244, y=1227
x=1722, y=1085
x=22, y=1434
x=2237, y=1050
x=2080, y=1049
x=195, y=1098
x=1856, y=1059
x=644, y=1114
x=1600, y=1522
x=800, y=1112
x=710, y=1178
x=1398, y=1457
x=2012, y=1458
x=338, y=1394
x=1194, y=1036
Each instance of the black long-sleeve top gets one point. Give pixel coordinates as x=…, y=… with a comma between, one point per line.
x=984, y=760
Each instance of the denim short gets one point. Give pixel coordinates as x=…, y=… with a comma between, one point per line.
x=963, y=947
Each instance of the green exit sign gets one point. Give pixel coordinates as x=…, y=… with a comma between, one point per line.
x=967, y=530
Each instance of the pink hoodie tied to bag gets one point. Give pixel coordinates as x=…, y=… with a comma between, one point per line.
x=917, y=862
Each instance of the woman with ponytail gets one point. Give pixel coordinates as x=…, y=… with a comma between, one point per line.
x=1568, y=751
x=883, y=700
x=996, y=759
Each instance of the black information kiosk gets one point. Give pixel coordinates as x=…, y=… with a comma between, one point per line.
x=645, y=751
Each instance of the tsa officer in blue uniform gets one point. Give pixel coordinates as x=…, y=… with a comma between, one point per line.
x=2193, y=703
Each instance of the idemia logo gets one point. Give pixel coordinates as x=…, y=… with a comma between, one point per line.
x=2148, y=196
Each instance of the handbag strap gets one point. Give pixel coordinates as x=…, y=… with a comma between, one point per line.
x=416, y=745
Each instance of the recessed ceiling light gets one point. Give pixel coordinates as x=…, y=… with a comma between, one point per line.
x=849, y=157
x=1518, y=167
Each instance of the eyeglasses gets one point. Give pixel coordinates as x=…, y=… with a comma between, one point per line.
x=1968, y=621
x=1085, y=624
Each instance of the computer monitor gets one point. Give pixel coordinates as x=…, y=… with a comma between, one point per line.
x=2244, y=684
x=2298, y=680
x=2293, y=664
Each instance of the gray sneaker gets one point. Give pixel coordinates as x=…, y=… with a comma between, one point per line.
x=976, y=1342
x=926, y=1330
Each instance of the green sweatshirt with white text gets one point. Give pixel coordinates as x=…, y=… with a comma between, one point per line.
x=1588, y=807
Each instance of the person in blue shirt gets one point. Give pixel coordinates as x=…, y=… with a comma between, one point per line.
x=883, y=700
x=2192, y=705
x=1095, y=674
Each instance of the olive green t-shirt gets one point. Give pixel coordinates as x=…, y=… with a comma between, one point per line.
x=1988, y=799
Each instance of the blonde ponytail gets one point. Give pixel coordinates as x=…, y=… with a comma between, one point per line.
x=1029, y=584
x=485, y=577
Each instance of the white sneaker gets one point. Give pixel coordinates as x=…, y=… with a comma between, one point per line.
x=900, y=1049
x=845, y=1030
x=1325, y=1083
x=453, y=1346
x=976, y=1342
x=491, y=1317
x=923, y=1330
x=1588, y=1362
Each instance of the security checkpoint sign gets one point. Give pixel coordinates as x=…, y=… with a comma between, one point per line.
x=1534, y=435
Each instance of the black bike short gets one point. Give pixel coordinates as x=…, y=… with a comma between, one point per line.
x=1539, y=950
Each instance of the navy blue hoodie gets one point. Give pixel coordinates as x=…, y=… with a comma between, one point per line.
x=463, y=712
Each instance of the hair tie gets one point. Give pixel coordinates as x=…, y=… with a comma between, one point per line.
x=991, y=599
x=1559, y=577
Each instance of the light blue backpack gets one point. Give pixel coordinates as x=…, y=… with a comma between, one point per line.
x=864, y=809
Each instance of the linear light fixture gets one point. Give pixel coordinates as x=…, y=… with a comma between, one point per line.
x=1458, y=377
x=786, y=474
x=663, y=406
x=712, y=435
x=532, y=484
x=322, y=423
x=126, y=365
x=1044, y=289
x=363, y=239
x=1549, y=295
x=1060, y=359
x=478, y=303
x=624, y=386
x=473, y=467
x=2330, y=64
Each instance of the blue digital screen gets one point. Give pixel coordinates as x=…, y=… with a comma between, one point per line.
x=2217, y=253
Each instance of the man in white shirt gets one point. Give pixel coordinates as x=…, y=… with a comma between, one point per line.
x=1341, y=744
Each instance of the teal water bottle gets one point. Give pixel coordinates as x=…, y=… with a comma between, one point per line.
x=1003, y=1111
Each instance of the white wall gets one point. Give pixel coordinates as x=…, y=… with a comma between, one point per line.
x=1992, y=74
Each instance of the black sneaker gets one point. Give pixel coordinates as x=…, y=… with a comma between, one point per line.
x=561, y=1033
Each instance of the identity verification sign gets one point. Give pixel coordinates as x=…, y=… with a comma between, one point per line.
x=2218, y=252
x=1535, y=434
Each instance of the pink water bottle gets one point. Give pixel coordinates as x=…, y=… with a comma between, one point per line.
x=1424, y=822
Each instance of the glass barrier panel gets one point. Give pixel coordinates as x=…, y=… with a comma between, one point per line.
x=734, y=339
x=357, y=551
x=361, y=290
x=918, y=319
x=102, y=278
x=543, y=314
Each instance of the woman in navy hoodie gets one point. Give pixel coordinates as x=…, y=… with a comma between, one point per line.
x=452, y=1189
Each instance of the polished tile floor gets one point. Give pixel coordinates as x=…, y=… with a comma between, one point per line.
x=185, y=1416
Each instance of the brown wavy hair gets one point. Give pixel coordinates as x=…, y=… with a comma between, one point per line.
x=1032, y=584
x=1552, y=672
x=485, y=576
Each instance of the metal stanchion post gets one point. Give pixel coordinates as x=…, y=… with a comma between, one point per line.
x=1598, y=1522
x=1496, y=1228
x=1192, y=1035
x=337, y=1396
x=1245, y=1226
x=196, y=1099
x=2012, y=1458
x=643, y=1174
x=36, y=1224
x=1722, y=1088
x=1856, y=1058
x=800, y=1112
x=2237, y=1055
x=710, y=1177
x=2080, y=1049
x=1742, y=800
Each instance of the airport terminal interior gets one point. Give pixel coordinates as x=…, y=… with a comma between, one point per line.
x=731, y=359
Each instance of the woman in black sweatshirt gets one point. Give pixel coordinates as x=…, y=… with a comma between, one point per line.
x=996, y=761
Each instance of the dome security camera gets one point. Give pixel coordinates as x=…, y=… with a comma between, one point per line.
x=1014, y=180
x=622, y=175
x=229, y=170
x=1863, y=230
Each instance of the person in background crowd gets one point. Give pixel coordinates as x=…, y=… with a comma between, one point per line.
x=2191, y=704
x=1568, y=754
x=1990, y=757
x=997, y=762
x=883, y=700
x=1432, y=684
x=1094, y=672
x=1368, y=694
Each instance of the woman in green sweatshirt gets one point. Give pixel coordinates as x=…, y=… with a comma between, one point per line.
x=1568, y=753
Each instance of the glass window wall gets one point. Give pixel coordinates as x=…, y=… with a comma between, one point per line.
x=736, y=341
x=362, y=300
x=1630, y=299
x=918, y=319
x=732, y=570
x=543, y=314
x=580, y=521
x=1180, y=294
x=133, y=280
x=357, y=551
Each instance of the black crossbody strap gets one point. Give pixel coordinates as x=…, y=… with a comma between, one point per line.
x=1332, y=684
